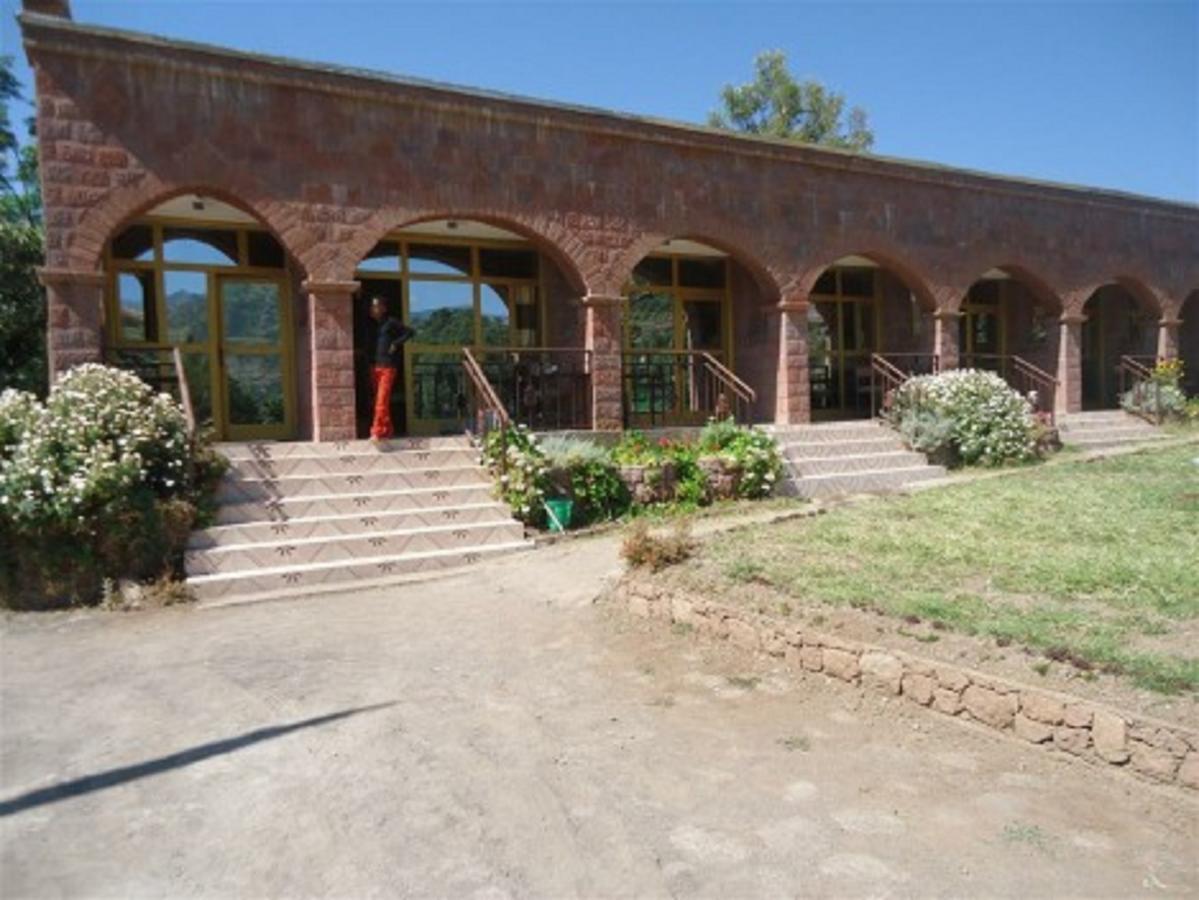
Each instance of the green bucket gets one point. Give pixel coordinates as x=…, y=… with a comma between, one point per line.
x=560, y=511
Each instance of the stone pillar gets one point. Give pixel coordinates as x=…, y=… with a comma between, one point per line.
x=1069, y=365
x=793, y=399
x=1167, y=338
x=331, y=328
x=602, y=336
x=946, y=338
x=74, y=318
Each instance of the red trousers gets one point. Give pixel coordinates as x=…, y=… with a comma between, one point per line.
x=383, y=378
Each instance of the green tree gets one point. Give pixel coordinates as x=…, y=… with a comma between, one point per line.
x=776, y=104
x=22, y=305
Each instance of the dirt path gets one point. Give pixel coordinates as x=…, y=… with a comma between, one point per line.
x=498, y=735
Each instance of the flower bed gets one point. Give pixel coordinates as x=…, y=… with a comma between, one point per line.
x=101, y=482
x=725, y=461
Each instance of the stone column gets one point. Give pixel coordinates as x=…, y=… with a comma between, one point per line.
x=793, y=399
x=74, y=318
x=946, y=338
x=1069, y=365
x=1167, y=338
x=331, y=329
x=602, y=336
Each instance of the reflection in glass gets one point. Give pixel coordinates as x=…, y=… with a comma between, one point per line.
x=255, y=387
x=200, y=246
x=187, y=306
x=651, y=321
x=494, y=315
x=442, y=312
x=495, y=263
x=437, y=387
x=702, y=320
x=654, y=270
x=526, y=331
x=384, y=257
x=250, y=312
x=823, y=360
x=199, y=384
x=135, y=295
x=438, y=259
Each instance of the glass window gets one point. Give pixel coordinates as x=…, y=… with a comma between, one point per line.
x=651, y=321
x=384, y=257
x=701, y=273
x=507, y=263
x=654, y=270
x=255, y=386
x=528, y=325
x=495, y=315
x=985, y=292
x=704, y=330
x=200, y=246
x=199, y=384
x=187, y=306
x=263, y=250
x=251, y=312
x=137, y=310
x=857, y=282
x=135, y=242
x=438, y=259
x=826, y=283
x=442, y=312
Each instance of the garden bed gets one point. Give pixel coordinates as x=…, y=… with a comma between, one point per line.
x=1080, y=576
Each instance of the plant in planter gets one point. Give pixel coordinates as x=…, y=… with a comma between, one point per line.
x=648, y=470
x=584, y=473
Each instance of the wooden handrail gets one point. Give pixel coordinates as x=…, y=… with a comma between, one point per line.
x=185, y=394
x=491, y=401
x=726, y=376
x=1135, y=365
x=1035, y=372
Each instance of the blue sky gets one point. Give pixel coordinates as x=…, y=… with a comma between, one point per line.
x=1103, y=94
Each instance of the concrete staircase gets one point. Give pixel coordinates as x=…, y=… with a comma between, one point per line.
x=850, y=458
x=299, y=518
x=1105, y=428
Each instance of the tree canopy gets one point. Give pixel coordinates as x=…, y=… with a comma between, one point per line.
x=776, y=104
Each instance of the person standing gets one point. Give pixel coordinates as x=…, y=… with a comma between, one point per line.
x=389, y=356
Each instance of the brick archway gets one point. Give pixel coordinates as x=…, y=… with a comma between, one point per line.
x=765, y=276
x=929, y=297
x=1041, y=289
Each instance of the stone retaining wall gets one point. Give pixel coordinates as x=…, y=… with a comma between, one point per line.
x=1149, y=748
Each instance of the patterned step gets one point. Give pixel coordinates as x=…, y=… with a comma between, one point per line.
x=352, y=463
x=866, y=429
x=287, y=508
x=242, y=490
x=809, y=449
x=857, y=462
x=347, y=525
x=283, y=449
x=294, y=552
x=338, y=574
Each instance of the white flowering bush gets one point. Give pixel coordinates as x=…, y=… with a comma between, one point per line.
x=102, y=481
x=979, y=419
x=520, y=469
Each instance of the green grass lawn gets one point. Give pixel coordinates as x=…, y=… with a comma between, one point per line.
x=1096, y=562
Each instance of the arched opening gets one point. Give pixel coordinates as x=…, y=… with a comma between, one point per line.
x=858, y=308
x=1120, y=322
x=1009, y=326
x=691, y=345
x=1188, y=344
x=207, y=277
x=462, y=283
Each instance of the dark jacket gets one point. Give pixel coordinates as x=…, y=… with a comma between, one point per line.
x=390, y=341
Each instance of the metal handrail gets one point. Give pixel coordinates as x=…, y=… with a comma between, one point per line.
x=745, y=396
x=891, y=378
x=1043, y=383
x=1134, y=375
x=668, y=383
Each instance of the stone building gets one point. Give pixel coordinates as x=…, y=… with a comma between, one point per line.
x=603, y=269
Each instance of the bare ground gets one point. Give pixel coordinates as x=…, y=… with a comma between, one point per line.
x=500, y=735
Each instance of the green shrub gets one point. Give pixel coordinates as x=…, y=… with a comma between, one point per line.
x=100, y=482
x=988, y=422
x=1157, y=400
x=521, y=471
x=931, y=434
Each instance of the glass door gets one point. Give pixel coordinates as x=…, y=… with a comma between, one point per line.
x=255, y=359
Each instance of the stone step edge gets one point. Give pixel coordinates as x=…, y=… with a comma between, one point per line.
x=1150, y=748
x=849, y=457
x=340, y=587
x=342, y=517
x=890, y=440
x=240, y=481
x=365, y=536
x=867, y=473
x=309, y=498
x=373, y=453
x=362, y=560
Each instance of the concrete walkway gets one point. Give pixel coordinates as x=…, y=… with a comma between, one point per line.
x=496, y=735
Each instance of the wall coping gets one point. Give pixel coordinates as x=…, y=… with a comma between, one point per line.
x=52, y=34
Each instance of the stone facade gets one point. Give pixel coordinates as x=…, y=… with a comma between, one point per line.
x=331, y=160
